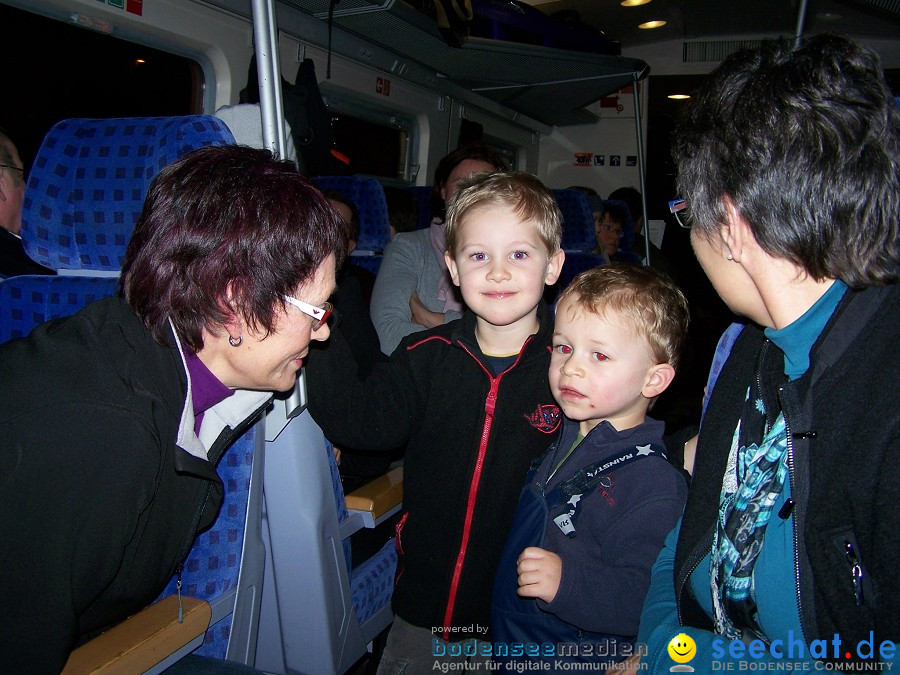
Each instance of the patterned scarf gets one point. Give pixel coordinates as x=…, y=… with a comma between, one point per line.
x=757, y=470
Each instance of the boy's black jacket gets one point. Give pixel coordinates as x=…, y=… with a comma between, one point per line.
x=470, y=440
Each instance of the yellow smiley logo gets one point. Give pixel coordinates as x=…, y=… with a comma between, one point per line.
x=682, y=648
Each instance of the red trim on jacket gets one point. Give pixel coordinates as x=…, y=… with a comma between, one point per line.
x=490, y=404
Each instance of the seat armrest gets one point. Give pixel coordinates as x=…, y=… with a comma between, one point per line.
x=379, y=498
x=143, y=640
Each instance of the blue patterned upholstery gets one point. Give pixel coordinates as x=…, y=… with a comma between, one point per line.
x=372, y=582
x=422, y=195
x=575, y=264
x=27, y=301
x=368, y=197
x=214, y=563
x=578, y=222
x=88, y=182
x=339, y=503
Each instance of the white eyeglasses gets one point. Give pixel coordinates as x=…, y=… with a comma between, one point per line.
x=677, y=206
x=319, y=314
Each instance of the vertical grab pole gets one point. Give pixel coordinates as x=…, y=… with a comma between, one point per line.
x=640, y=158
x=801, y=20
x=265, y=37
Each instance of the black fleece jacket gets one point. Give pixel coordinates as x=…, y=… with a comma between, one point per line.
x=844, y=443
x=470, y=439
x=97, y=504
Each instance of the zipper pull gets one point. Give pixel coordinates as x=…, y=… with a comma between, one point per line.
x=856, y=571
x=491, y=402
x=178, y=588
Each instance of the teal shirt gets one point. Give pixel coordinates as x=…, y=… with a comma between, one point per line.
x=775, y=591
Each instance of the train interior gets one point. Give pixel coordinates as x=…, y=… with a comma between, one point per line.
x=273, y=583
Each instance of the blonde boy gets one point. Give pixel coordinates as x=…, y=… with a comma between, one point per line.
x=598, y=504
x=471, y=401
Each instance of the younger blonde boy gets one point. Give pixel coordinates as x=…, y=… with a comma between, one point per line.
x=598, y=504
x=471, y=401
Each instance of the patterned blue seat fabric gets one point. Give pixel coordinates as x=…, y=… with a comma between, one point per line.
x=372, y=582
x=578, y=221
x=88, y=182
x=368, y=197
x=27, y=301
x=213, y=566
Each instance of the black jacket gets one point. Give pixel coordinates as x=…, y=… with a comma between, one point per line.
x=471, y=438
x=13, y=259
x=844, y=443
x=98, y=504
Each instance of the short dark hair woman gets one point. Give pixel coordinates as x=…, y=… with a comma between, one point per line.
x=113, y=419
x=788, y=161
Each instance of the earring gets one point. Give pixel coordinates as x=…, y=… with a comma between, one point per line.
x=730, y=257
x=235, y=342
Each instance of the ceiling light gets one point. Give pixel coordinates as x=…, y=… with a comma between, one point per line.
x=652, y=24
x=678, y=97
x=633, y=3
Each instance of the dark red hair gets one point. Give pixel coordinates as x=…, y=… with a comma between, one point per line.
x=225, y=217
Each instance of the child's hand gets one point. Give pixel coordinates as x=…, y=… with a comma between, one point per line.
x=422, y=315
x=539, y=573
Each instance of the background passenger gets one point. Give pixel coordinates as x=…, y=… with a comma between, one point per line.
x=471, y=397
x=635, y=204
x=352, y=321
x=576, y=565
x=113, y=419
x=413, y=289
x=787, y=158
x=13, y=259
x=615, y=232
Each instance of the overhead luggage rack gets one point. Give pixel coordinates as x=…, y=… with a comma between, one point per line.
x=551, y=86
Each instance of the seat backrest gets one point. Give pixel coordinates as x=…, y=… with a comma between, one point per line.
x=28, y=301
x=308, y=622
x=368, y=197
x=578, y=221
x=88, y=182
x=225, y=565
x=575, y=263
x=422, y=195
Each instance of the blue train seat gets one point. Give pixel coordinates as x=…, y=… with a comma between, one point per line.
x=578, y=222
x=318, y=615
x=422, y=195
x=368, y=197
x=87, y=185
x=27, y=301
x=225, y=565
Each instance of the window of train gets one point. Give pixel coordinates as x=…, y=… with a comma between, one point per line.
x=507, y=151
x=378, y=143
x=54, y=70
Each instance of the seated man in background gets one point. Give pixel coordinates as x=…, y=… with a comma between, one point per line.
x=13, y=259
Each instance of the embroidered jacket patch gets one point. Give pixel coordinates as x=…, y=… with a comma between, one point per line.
x=545, y=418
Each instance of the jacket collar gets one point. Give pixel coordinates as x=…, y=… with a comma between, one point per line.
x=464, y=332
x=228, y=413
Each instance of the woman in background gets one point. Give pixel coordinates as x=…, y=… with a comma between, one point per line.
x=413, y=289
